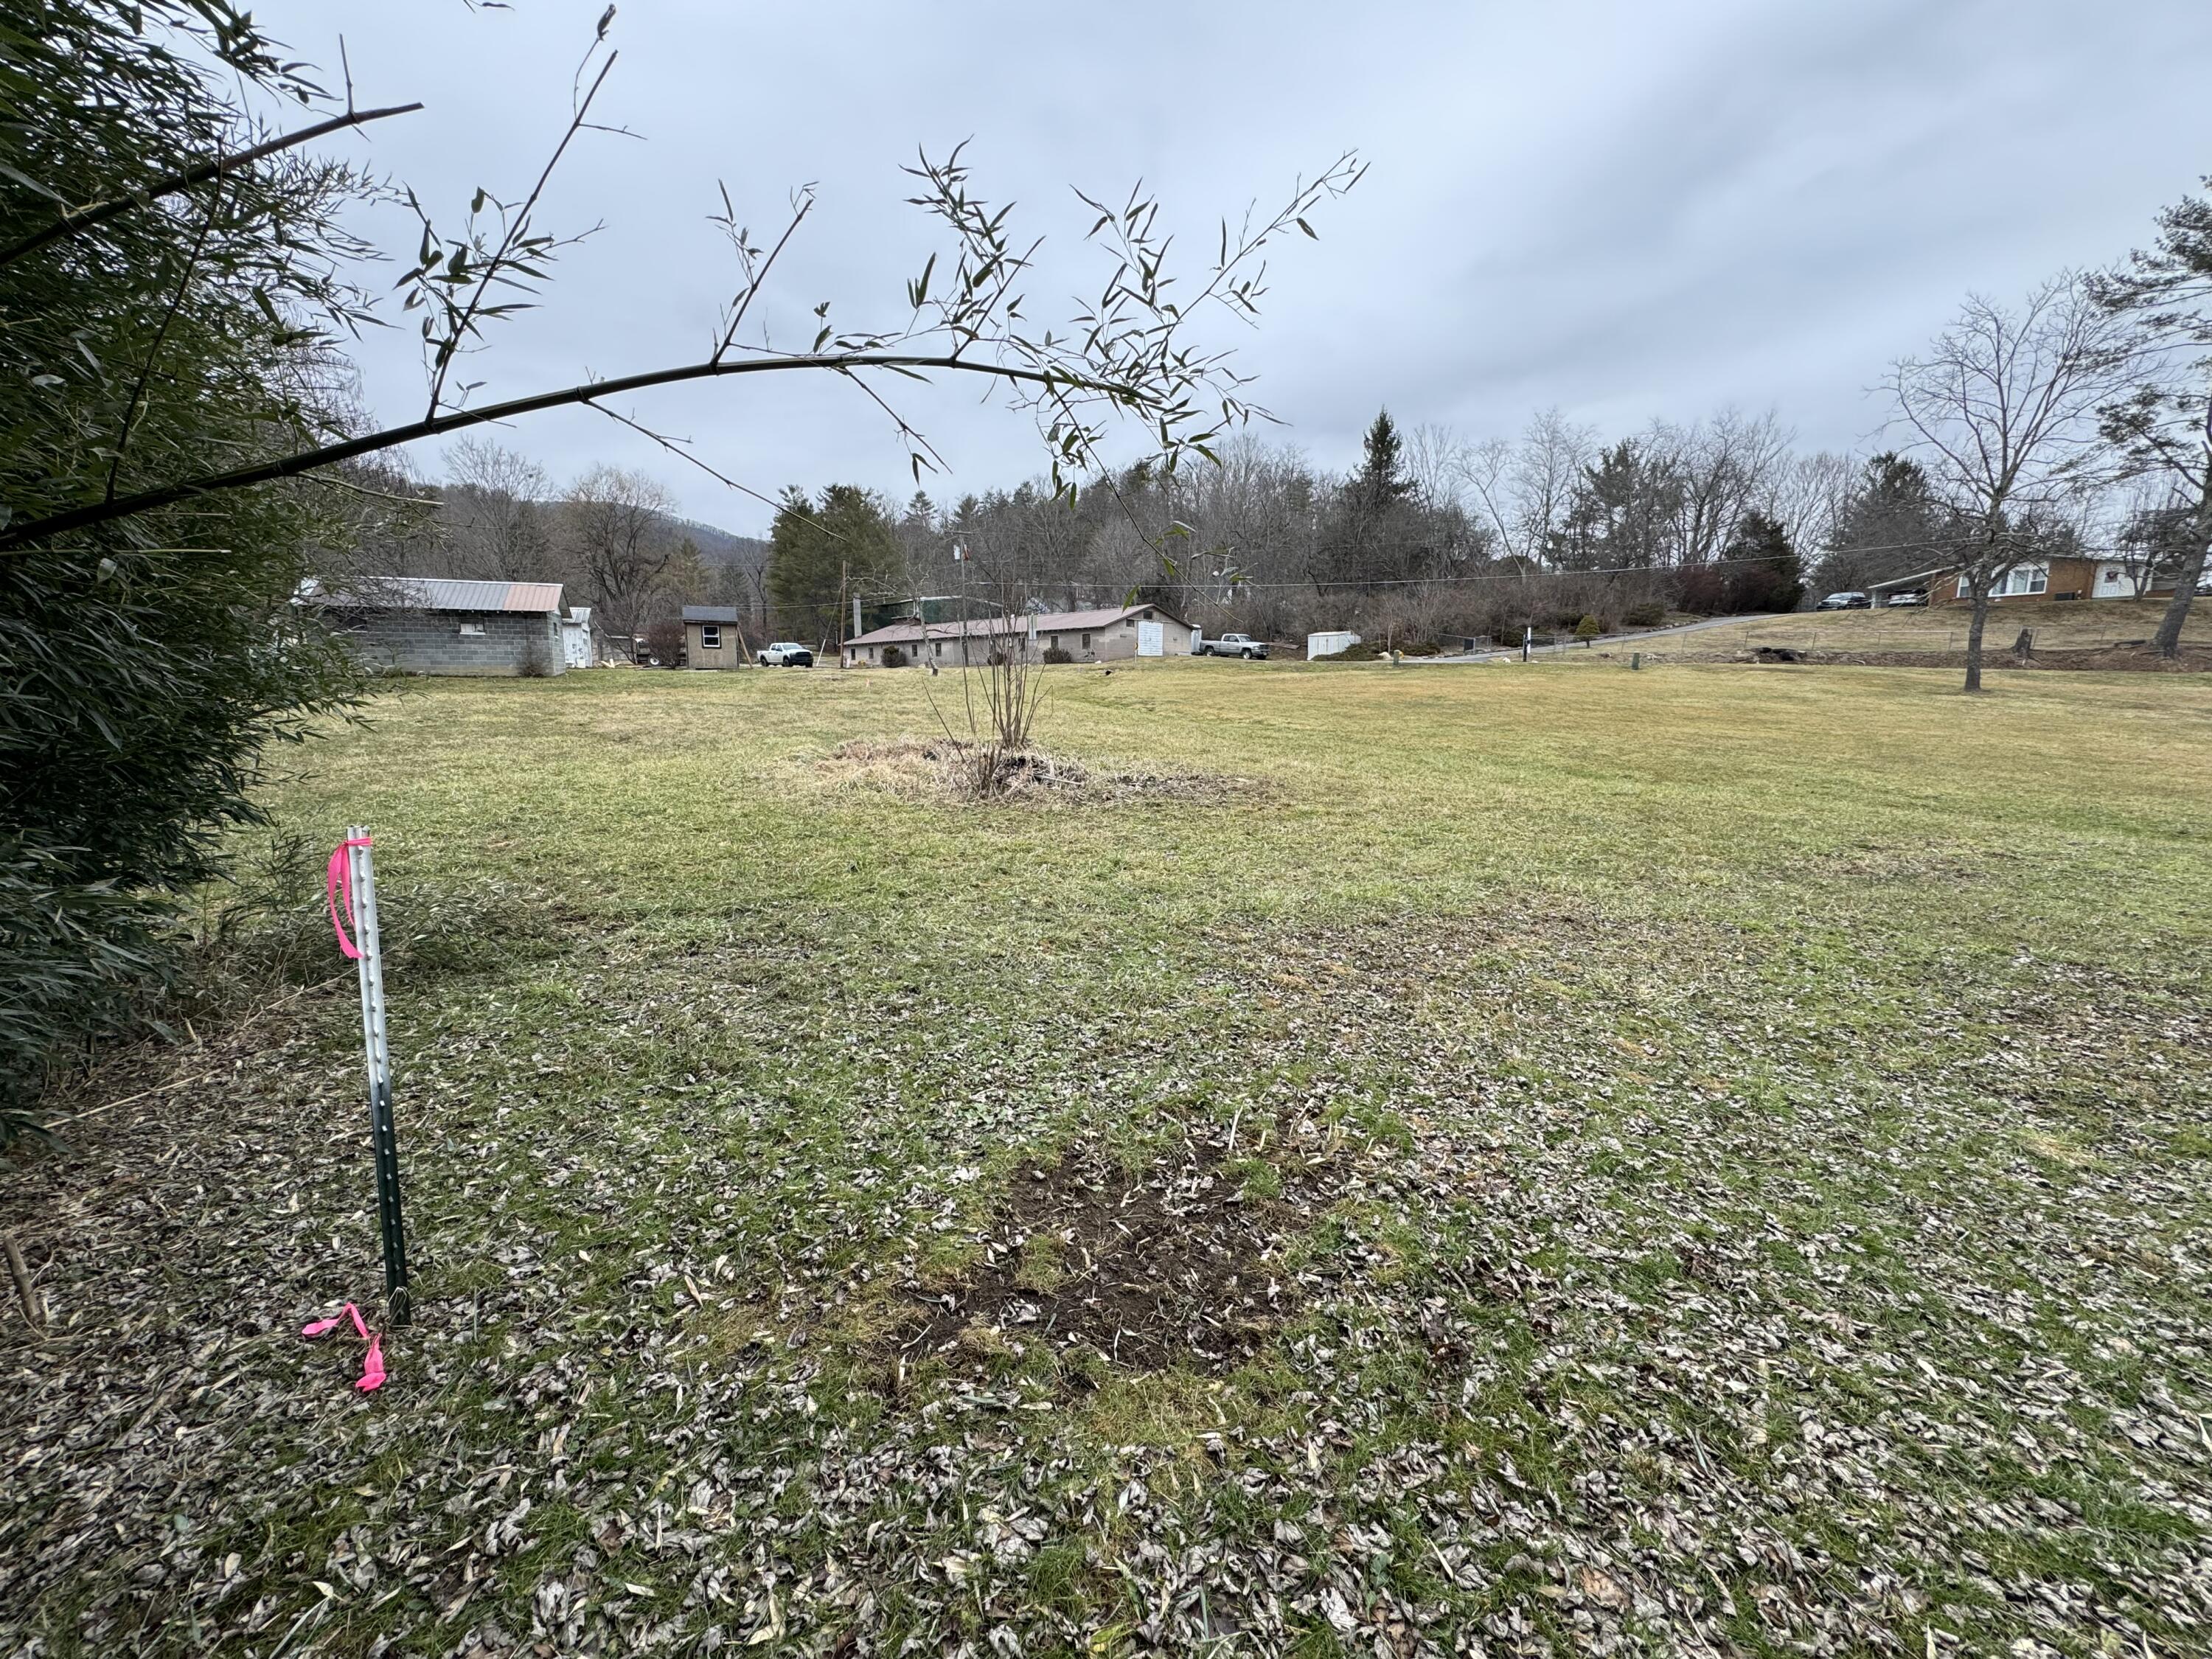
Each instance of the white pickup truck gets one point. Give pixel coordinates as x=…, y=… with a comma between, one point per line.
x=1233, y=645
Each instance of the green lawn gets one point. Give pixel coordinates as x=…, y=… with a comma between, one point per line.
x=1521, y=1159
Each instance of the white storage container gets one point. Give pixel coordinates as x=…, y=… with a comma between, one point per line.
x=1328, y=644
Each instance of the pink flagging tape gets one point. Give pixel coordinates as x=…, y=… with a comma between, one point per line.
x=372, y=1370
x=339, y=878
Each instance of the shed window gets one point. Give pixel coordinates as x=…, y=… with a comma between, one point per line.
x=1086, y=641
x=938, y=647
x=710, y=637
x=470, y=631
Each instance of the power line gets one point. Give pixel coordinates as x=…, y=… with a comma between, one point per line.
x=1314, y=585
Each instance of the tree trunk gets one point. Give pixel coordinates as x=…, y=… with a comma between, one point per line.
x=2169, y=637
x=1974, y=637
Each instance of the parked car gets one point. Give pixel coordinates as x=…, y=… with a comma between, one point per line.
x=784, y=654
x=1918, y=596
x=1850, y=601
x=1233, y=645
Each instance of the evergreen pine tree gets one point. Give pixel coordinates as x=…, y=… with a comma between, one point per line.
x=1381, y=481
x=823, y=554
x=1761, y=568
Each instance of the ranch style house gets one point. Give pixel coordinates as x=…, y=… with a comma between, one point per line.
x=2037, y=579
x=1110, y=635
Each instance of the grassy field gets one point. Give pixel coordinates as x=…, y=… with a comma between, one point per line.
x=2057, y=626
x=1515, y=1160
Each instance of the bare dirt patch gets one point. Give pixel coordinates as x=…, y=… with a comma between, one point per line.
x=1179, y=1265
x=937, y=767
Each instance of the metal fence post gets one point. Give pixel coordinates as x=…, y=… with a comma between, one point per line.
x=383, y=1135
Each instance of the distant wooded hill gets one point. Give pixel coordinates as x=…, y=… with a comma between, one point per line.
x=719, y=546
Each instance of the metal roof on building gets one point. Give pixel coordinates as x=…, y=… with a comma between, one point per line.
x=435, y=594
x=1047, y=622
x=710, y=613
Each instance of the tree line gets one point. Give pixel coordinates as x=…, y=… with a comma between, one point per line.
x=1434, y=536
x=1432, y=533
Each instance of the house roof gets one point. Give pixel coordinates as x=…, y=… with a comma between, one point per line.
x=1047, y=622
x=710, y=613
x=433, y=593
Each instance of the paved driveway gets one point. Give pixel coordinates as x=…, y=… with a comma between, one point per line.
x=1512, y=653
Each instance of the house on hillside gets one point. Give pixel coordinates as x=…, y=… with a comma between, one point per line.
x=2082, y=578
x=710, y=637
x=1110, y=635
x=438, y=625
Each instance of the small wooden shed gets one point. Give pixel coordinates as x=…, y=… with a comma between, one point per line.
x=710, y=637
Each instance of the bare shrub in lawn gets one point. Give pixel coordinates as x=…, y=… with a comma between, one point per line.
x=1000, y=695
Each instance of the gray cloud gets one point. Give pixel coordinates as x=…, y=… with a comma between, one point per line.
x=1622, y=208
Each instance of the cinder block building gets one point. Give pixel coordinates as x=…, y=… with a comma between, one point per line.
x=438, y=625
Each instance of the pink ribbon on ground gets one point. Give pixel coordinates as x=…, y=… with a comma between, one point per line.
x=337, y=877
x=372, y=1368
x=322, y=1326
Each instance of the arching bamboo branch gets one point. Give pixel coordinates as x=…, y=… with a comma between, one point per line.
x=15, y=537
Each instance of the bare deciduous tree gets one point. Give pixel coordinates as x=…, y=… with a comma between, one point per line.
x=495, y=521
x=1721, y=469
x=2001, y=410
x=1002, y=682
x=1438, y=459
x=616, y=525
x=1522, y=490
x=740, y=577
x=1808, y=497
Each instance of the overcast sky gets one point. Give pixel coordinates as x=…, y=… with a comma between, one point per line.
x=1626, y=208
